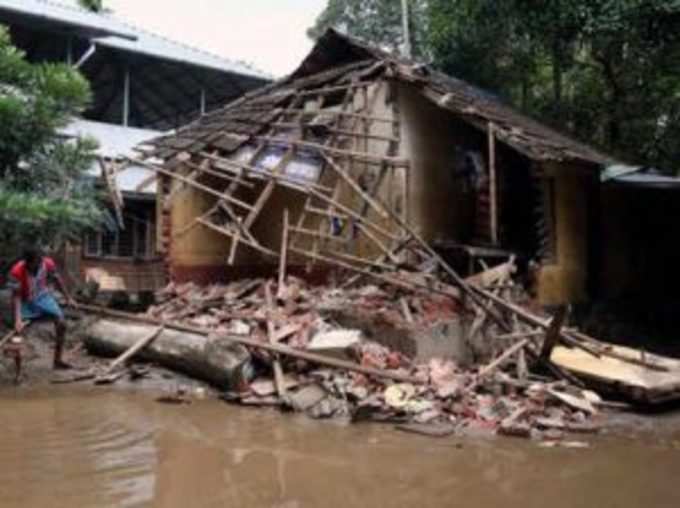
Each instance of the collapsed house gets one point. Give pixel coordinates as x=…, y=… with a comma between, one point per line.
x=356, y=148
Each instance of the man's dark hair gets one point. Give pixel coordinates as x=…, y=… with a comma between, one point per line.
x=31, y=255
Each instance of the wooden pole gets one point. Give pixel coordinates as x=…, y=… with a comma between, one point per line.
x=493, y=190
x=284, y=254
x=279, y=380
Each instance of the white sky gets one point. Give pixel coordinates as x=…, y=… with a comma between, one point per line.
x=270, y=34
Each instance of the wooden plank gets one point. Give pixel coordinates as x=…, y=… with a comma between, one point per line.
x=134, y=349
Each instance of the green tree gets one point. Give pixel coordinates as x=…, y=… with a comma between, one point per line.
x=92, y=5
x=376, y=21
x=45, y=195
x=603, y=69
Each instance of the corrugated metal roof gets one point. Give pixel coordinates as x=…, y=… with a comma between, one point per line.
x=139, y=40
x=115, y=142
x=85, y=22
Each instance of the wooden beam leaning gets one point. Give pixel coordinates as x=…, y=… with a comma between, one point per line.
x=377, y=207
x=231, y=234
x=195, y=184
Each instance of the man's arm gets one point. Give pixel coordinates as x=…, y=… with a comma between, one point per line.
x=55, y=277
x=61, y=286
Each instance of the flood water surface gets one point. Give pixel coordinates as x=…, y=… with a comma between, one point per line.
x=80, y=448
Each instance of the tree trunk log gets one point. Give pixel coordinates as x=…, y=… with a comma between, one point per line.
x=217, y=361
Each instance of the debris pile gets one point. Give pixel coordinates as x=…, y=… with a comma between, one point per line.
x=499, y=393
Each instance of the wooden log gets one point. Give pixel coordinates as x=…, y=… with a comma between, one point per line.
x=215, y=361
x=246, y=341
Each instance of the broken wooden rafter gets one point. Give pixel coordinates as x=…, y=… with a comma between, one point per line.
x=334, y=89
x=231, y=235
x=377, y=207
x=195, y=184
x=263, y=174
x=219, y=174
x=329, y=112
x=338, y=152
x=340, y=132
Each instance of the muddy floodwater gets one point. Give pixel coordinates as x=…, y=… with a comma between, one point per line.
x=81, y=448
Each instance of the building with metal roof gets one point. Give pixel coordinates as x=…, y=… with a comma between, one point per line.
x=139, y=79
x=143, y=85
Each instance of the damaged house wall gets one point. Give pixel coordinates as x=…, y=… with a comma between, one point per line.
x=363, y=150
x=564, y=278
x=439, y=206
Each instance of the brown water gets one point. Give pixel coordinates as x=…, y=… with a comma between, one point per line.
x=81, y=448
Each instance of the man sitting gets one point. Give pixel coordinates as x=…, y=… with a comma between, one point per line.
x=32, y=299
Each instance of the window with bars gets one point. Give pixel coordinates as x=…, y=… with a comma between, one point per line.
x=135, y=241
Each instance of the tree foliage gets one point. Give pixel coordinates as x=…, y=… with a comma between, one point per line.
x=377, y=21
x=605, y=70
x=45, y=195
x=92, y=5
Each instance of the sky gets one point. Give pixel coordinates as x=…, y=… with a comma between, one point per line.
x=270, y=34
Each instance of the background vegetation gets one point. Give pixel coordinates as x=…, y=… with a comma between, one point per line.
x=45, y=195
x=607, y=71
